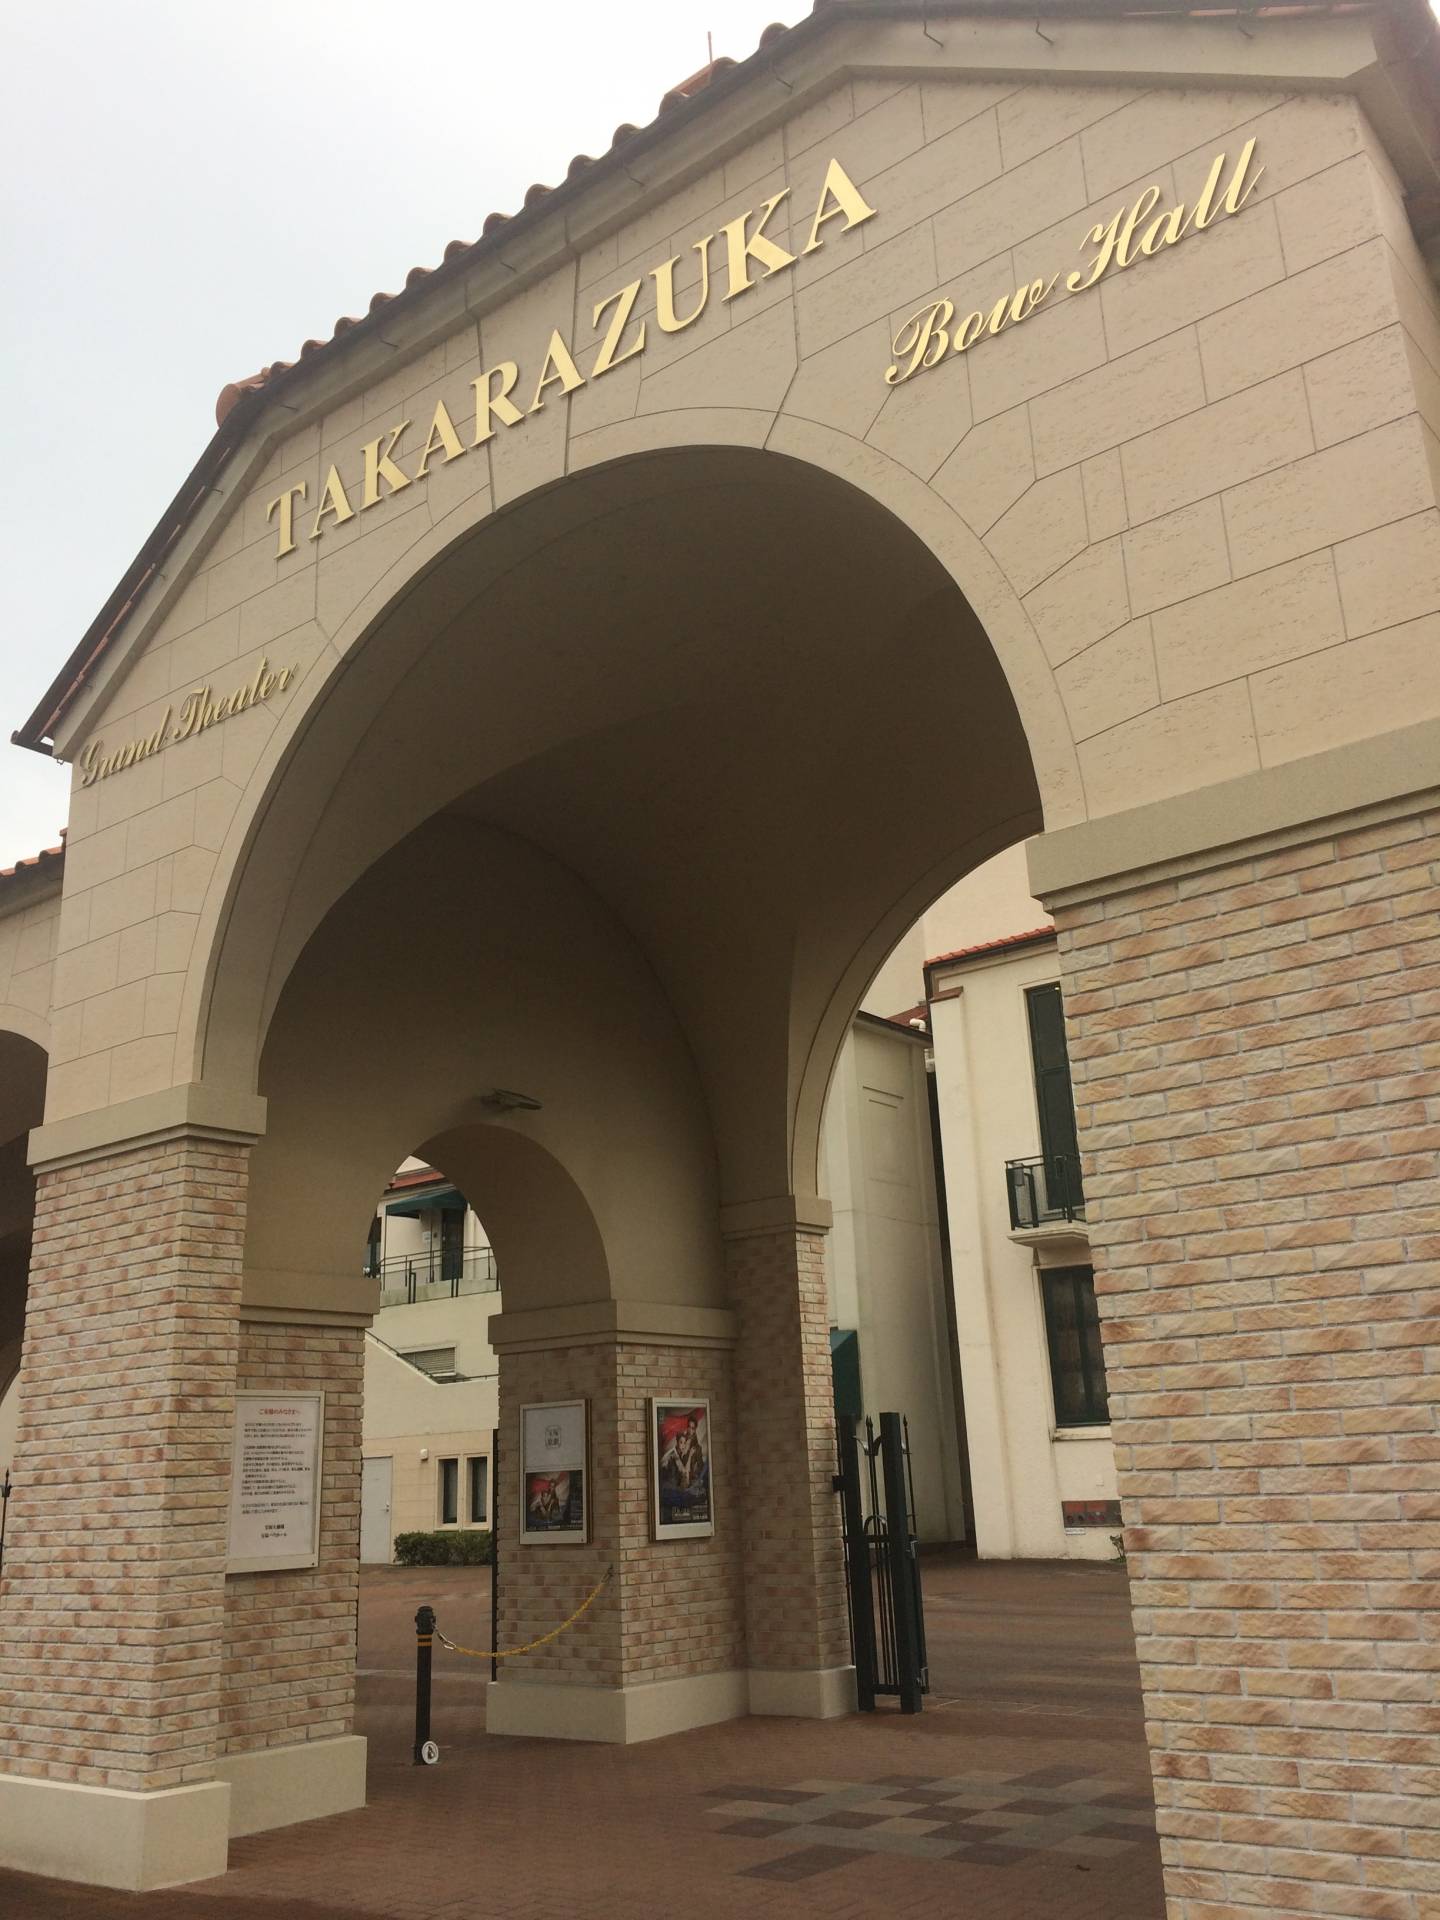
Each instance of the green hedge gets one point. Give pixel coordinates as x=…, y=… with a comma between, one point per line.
x=471, y=1547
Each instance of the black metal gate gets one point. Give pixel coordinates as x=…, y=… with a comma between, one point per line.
x=882, y=1569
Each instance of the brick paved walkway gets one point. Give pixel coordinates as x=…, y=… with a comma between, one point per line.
x=1022, y=1790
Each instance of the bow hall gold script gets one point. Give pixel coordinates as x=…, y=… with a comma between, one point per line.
x=929, y=335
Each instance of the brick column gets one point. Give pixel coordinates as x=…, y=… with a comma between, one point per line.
x=286, y=1741
x=663, y=1648
x=1256, y=1053
x=113, y=1592
x=798, y=1642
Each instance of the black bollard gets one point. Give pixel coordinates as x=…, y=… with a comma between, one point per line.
x=426, y=1751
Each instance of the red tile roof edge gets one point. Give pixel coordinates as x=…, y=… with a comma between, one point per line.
x=418, y=1177
x=31, y=866
x=993, y=946
x=240, y=401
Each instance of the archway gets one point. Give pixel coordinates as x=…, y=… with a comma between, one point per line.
x=619, y=807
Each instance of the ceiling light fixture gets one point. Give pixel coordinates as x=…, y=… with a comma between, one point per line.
x=508, y=1101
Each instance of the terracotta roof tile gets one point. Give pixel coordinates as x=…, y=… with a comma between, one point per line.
x=715, y=70
x=49, y=860
x=994, y=946
x=39, y=728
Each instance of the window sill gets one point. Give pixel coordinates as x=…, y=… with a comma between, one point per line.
x=1053, y=1233
x=1079, y=1433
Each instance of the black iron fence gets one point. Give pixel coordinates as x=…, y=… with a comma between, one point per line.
x=882, y=1568
x=1044, y=1191
x=434, y=1273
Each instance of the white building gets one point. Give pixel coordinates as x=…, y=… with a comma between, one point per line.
x=430, y=1374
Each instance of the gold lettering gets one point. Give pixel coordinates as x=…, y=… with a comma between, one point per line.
x=89, y=763
x=559, y=366
x=378, y=466
x=607, y=356
x=442, y=434
x=286, y=503
x=664, y=278
x=1105, y=237
x=190, y=714
x=267, y=683
x=1027, y=299
x=1205, y=210
x=1239, y=189
x=971, y=328
x=741, y=249
x=333, y=499
x=840, y=188
x=490, y=406
x=1113, y=239
x=1143, y=206
x=1163, y=231
x=283, y=678
x=924, y=337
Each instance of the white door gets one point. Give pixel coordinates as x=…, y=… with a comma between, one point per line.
x=375, y=1539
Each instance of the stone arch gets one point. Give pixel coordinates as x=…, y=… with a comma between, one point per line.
x=365, y=1064
x=219, y=1032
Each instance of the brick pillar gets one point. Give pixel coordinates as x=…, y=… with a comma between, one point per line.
x=794, y=1568
x=112, y=1598
x=1256, y=1053
x=663, y=1648
x=289, y=1641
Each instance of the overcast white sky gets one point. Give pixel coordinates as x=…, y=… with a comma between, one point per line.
x=191, y=188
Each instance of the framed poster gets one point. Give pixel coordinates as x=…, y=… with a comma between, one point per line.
x=554, y=1496
x=275, y=1481
x=681, y=1479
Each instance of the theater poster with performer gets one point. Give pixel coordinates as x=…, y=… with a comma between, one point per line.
x=554, y=1497
x=681, y=1469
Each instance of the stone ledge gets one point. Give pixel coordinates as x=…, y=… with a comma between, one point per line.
x=620, y=1716
x=106, y=1837
x=278, y=1786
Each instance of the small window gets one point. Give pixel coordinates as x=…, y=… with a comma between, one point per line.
x=449, y=1493
x=1077, y=1361
x=438, y=1362
x=479, y=1476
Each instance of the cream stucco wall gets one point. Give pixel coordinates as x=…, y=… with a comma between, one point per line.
x=989, y=904
x=29, y=929
x=415, y=1422
x=1194, y=508
x=883, y=1256
x=1021, y=1467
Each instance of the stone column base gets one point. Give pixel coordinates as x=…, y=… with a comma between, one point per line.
x=817, y=1693
x=620, y=1715
x=104, y=1837
x=277, y=1786
x=547, y=1710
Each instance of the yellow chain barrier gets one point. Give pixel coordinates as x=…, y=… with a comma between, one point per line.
x=509, y=1653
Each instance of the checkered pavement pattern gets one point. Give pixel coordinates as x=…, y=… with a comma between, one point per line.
x=976, y=1819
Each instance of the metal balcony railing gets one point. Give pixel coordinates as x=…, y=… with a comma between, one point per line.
x=1044, y=1191
x=441, y=1273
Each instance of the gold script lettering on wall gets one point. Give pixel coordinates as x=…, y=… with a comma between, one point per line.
x=932, y=333
x=748, y=253
x=199, y=710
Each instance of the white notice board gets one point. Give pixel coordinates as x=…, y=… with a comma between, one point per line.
x=275, y=1481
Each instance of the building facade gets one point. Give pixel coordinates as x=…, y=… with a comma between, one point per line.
x=1081, y=381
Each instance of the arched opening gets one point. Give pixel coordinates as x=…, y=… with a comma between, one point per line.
x=572, y=884
x=742, y=702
